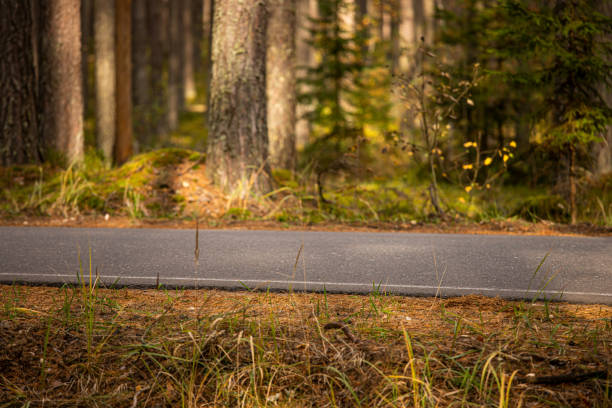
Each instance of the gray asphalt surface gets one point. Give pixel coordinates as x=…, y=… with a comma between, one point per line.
x=577, y=269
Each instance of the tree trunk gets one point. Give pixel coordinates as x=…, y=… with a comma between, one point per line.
x=19, y=138
x=61, y=78
x=305, y=58
x=395, y=35
x=189, y=89
x=157, y=12
x=175, y=63
x=86, y=41
x=238, y=137
x=197, y=10
x=140, y=74
x=209, y=9
x=104, y=39
x=572, y=183
x=281, y=88
x=602, y=151
x=123, y=59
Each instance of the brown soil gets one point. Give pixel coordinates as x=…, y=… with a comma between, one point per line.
x=540, y=340
x=493, y=227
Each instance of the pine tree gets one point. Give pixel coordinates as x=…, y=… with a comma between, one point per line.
x=567, y=43
x=340, y=87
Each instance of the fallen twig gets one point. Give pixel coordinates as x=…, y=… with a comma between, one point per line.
x=564, y=378
x=343, y=327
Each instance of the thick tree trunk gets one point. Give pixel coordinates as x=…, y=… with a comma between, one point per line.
x=175, y=64
x=141, y=95
x=281, y=90
x=104, y=39
x=123, y=59
x=61, y=78
x=189, y=89
x=19, y=138
x=238, y=137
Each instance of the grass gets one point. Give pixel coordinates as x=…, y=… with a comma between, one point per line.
x=170, y=183
x=89, y=346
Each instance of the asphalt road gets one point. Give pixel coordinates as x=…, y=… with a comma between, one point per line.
x=577, y=269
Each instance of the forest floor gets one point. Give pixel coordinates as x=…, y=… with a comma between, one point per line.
x=168, y=188
x=88, y=346
x=506, y=227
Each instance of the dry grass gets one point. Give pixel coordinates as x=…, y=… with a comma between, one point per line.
x=87, y=346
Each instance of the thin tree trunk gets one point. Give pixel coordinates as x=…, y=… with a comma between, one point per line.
x=572, y=181
x=61, y=78
x=197, y=9
x=86, y=41
x=238, y=137
x=175, y=63
x=304, y=58
x=123, y=53
x=140, y=74
x=19, y=137
x=208, y=26
x=281, y=88
x=395, y=15
x=104, y=39
x=189, y=89
x=158, y=39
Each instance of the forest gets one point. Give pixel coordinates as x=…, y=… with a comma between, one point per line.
x=307, y=111
x=263, y=171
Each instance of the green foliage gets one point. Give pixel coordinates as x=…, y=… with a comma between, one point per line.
x=347, y=91
x=567, y=45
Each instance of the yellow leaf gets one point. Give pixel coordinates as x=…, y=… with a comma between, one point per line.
x=513, y=144
x=488, y=186
x=462, y=200
x=468, y=189
x=467, y=166
x=506, y=157
x=488, y=161
x=468, y=144
x=470, y=102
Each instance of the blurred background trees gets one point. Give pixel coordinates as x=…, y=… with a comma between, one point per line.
x=116, y=77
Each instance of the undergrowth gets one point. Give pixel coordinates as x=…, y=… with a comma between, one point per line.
x=87, y=346
x=171, y=183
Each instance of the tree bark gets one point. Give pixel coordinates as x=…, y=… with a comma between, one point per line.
x=140, y=74
x=209, y=10
x=104, y=39
x=123, y=59
x=19, y=138
x=305, y=58
x=157, y=13
x=175, y=63
x=189, y=89
x=197, y=10
x=86, y=42
x=281, y=87
x=238, y=137
x=61, y=78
